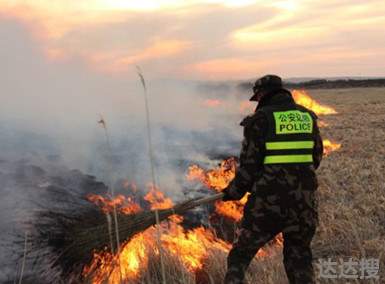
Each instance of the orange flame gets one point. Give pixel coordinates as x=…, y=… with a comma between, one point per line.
x=302, y=98
x=157, y=198
x=330, y=146
x=190, y=247
x=231, y=209
x=123, y=204
x=133, y=257
x=217, y=178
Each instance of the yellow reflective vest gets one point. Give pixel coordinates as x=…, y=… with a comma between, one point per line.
x=290, y=134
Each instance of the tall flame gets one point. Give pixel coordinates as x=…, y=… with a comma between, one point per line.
x=302, y=98
x=189, y=247
x=128, y=264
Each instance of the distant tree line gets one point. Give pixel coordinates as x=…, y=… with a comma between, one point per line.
x=326, y=84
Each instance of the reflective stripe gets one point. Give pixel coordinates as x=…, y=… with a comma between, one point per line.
x=289, y=145
x=285, y=159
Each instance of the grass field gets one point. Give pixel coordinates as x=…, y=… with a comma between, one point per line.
x=351, y=198
x=352, y=184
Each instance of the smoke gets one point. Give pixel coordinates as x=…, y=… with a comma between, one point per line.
x=52, y=108
x=49, y=131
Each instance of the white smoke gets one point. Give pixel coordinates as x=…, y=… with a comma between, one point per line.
x=49, y=116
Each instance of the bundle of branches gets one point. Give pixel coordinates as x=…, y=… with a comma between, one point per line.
x=73, y=235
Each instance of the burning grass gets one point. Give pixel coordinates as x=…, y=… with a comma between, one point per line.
x=83, y=236
x=351, y=203
x=302, y=98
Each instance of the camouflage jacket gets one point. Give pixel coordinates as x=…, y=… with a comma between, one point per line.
x=253, y=147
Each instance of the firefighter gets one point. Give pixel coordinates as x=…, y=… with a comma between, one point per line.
x=281, y=150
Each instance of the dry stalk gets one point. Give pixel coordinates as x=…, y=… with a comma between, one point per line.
x=152, y=167
x=24, y=257
x=112, y=193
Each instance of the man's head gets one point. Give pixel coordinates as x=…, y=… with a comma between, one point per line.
x=265, y=85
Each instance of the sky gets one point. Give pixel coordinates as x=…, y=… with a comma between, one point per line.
x=205, y=40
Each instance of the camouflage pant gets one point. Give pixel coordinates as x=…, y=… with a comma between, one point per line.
x=278, y=205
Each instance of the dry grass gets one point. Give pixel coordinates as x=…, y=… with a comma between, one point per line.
x=352, y=185
x=351, y=195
